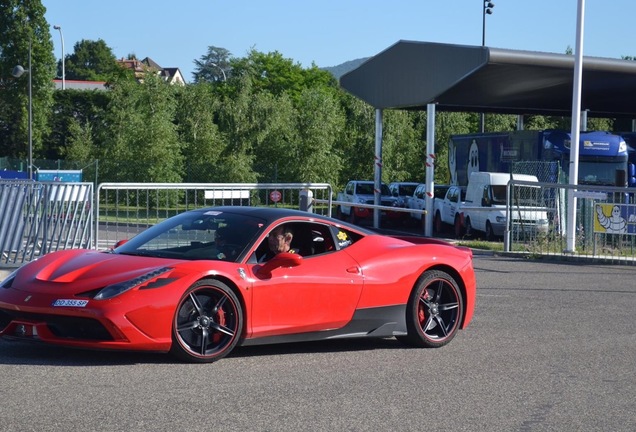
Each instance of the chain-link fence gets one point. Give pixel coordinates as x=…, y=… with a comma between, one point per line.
x=605, y=220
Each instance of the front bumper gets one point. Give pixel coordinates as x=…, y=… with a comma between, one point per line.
x=109, y=324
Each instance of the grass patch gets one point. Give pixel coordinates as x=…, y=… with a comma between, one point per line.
x=482, y=244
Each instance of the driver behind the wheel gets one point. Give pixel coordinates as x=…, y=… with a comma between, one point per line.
x=278, y=241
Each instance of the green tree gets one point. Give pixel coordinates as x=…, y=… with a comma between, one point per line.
x=276, y=74
x=197, y=110
x=275, y=137
x=319, y=124
x=404, y=150
x=143, y=144
x=357, y=143
x=25, y=33
x=214, y=66
x=80, y=142
x=91, y=61
x=72, y=108
x=235, y=163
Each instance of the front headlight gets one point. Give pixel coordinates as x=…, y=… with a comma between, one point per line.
x=361, y=201
x=500, y=219
x=113, y=290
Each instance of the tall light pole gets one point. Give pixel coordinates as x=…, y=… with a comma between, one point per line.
x=488, y=7
x=57, y=27
x=17, y=72
x=487, y=10
x=222, y=71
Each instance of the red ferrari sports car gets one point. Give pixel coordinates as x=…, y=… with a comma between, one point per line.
x=196, y=285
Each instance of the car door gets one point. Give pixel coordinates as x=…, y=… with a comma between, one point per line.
x=453, y=204
x=418, y=201
x=321, y=293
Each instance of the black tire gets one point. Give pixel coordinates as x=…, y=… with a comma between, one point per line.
x=490, y=235
x=434, y=311
x=459, y=229
x=468, y=228
x=354, y=219
x=438, y=226
x=207, y=324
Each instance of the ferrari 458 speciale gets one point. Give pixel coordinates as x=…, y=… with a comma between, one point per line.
x=195, y=285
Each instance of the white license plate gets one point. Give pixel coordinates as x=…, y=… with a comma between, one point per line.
x=70, y=303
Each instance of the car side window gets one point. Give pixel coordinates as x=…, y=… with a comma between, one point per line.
x=311, y=238
x=452, y=196
x=343, y=237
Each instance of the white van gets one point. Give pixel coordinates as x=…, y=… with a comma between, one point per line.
x=485, y=206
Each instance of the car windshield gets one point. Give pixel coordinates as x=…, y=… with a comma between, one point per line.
x=196, y=235
x=523, y=196
x=598, y=173
x=407, y=190
x=498, y=194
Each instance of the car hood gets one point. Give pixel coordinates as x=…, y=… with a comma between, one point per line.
x=83, y=270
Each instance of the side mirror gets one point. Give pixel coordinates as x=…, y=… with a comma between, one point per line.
x=119, y=243
x=485, y=202
x=284, y=259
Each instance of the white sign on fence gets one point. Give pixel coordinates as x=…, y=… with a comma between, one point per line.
x=226, y=194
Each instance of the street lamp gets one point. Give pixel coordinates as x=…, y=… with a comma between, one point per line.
x=222, y=71
x=57, y=27
x=488, y=6
x=17, y=72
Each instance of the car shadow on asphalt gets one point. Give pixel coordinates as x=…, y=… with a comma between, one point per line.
x=40, y=354
x=329, y=346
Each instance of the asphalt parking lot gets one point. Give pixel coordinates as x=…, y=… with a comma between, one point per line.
x=551, y=347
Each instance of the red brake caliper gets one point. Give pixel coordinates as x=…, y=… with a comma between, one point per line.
x=220, y=318
x=421, y=311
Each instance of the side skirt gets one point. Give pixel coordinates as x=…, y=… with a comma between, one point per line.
x=379, y=322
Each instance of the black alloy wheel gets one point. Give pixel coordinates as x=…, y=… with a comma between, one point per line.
x=208, y=322
x=434, y=311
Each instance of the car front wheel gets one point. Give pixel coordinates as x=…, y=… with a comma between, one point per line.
x=207, y=323
x=490, y=235
x=434, y=311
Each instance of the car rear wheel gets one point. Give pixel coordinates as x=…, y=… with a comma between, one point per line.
x=434, y=311
x=469, y=228
x=459, y=229
x=437, y=223
x=207, y=323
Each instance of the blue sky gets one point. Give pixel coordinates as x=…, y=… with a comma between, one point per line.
x=331, y=32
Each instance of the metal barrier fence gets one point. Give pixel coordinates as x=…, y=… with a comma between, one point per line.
x=125, y=209
x=41, y=217
x=605, y=220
